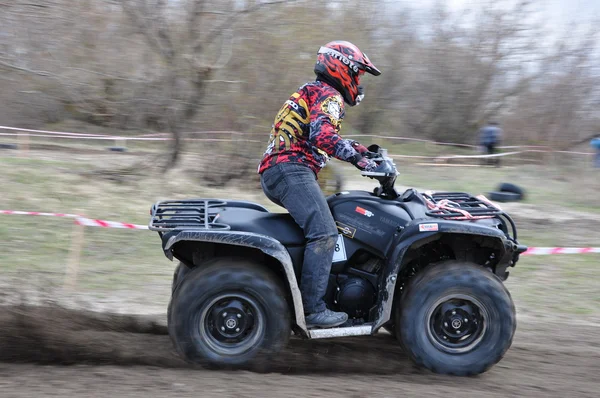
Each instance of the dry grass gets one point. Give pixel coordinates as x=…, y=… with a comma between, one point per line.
x=125, y=270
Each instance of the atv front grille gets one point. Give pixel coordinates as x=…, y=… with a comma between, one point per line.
x=186, y=214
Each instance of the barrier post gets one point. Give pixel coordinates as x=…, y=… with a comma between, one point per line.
x=23, y=139
x=77, y=240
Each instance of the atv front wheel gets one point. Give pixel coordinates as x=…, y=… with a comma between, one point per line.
x=230, y=314
x=456, y=318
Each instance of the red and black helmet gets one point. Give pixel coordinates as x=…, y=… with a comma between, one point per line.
x=341, y=63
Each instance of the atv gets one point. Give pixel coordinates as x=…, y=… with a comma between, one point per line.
x=427, y=267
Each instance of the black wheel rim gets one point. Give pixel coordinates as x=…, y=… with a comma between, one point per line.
x=231, y=324
x=457, y=323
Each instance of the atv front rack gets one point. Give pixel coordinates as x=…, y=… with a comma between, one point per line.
x=459, y=204
x=186, y=214
x=463, y=206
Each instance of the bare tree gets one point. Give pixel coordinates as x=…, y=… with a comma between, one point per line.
x=188, y=51
x=153, y=66
x=229, y=64
x=560, y=107
x=471, y=67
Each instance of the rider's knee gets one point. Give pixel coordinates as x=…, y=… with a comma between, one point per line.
x=325, y=243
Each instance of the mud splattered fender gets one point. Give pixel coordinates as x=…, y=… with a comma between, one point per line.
x=415, y=232
x=266, y=244
x=387, y=282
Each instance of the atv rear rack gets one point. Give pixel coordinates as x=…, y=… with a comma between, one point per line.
x=169, y=215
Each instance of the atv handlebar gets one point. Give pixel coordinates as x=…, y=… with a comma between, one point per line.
x=371, y=155
x=386, y=166
x=385, y=172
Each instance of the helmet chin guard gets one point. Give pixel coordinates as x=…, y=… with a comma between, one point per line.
x=361, y=94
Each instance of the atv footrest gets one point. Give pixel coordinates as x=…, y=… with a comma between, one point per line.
x=186, y=214
x=341, y=332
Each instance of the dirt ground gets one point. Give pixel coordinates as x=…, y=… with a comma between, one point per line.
x=57, y=352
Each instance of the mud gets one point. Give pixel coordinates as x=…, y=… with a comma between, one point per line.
x=54, y=335
x=53, y=351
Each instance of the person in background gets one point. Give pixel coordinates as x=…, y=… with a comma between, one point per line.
x=595, y=143
x=489, y=138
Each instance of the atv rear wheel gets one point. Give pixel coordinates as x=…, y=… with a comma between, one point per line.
x=456, y=318
x=230, y=314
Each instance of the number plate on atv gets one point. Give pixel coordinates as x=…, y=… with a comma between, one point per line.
x=340, y=250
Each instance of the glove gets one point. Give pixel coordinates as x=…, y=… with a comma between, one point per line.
x=366, y=164
x=371, y=155
x=364, y=151
x=359, y=147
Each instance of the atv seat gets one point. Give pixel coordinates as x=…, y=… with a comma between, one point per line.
x=280, y=226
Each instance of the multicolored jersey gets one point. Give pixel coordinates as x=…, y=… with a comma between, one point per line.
x=306, y=130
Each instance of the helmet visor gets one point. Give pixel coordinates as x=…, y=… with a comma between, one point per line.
x=368, y=66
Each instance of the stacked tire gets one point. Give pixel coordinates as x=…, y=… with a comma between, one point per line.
x=507, y=192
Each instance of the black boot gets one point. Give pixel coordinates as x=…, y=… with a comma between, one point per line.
x=325, y=319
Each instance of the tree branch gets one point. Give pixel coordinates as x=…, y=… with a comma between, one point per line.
x=161, y=31
x=160, y=41
x=193, y=20
x=23, y=69
x=42, y=73
x=226, y=50
x=232, y=19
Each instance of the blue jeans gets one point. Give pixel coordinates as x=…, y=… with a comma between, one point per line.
x=294, y=187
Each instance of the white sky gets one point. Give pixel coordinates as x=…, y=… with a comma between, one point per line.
x=557, y=11
x=564, y=10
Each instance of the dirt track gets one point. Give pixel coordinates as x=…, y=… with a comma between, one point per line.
x=56, y=352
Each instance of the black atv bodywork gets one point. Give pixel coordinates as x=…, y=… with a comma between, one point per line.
x=384, y=240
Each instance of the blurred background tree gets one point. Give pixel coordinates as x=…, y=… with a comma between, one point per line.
x=185, y=65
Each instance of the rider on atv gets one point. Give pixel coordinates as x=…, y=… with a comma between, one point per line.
x=304, y=134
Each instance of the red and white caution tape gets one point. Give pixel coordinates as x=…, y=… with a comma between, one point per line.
x=89, y=222
x=144, y=137
x=84, y=137
x=541, y=251
x=52, y=132
x=166, y=137
x=36, y=213
x=114, y=138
